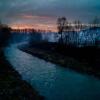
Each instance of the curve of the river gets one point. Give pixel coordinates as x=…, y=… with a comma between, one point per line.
x=52, y=81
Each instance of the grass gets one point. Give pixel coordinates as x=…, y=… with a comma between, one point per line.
x=12, y=86
x=83, y=60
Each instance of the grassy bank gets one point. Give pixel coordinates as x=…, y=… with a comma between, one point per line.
x=83, y=60
x=12, y=87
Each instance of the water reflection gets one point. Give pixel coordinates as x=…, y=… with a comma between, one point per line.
x=53, y=82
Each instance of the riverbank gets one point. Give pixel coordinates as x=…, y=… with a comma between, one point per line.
x=83, y=60
x=12, y=87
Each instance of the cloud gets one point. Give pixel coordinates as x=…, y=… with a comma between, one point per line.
x=46, y=11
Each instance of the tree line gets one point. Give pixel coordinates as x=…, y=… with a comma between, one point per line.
x=63, y=25
x=5, y=33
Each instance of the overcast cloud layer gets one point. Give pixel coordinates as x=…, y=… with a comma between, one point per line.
x=46, y=11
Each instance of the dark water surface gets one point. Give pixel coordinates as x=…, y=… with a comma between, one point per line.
x=52, y=81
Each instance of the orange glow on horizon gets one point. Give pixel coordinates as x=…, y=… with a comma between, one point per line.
x=34, y=21
x=37, y=27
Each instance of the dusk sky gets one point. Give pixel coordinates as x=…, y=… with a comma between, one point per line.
x=44, y=13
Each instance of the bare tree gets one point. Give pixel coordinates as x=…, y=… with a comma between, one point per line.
x=95, y=21
x=4, y=35
x=77, y=24
x=61, y=26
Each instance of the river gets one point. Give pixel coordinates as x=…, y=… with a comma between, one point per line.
x=52, y=81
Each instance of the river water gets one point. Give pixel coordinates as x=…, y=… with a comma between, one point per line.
x=52, y=81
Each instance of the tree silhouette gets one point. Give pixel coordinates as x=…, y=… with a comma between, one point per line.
x=77, y=24
x=95, y=21
x=4, y=35
x=61, y=26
